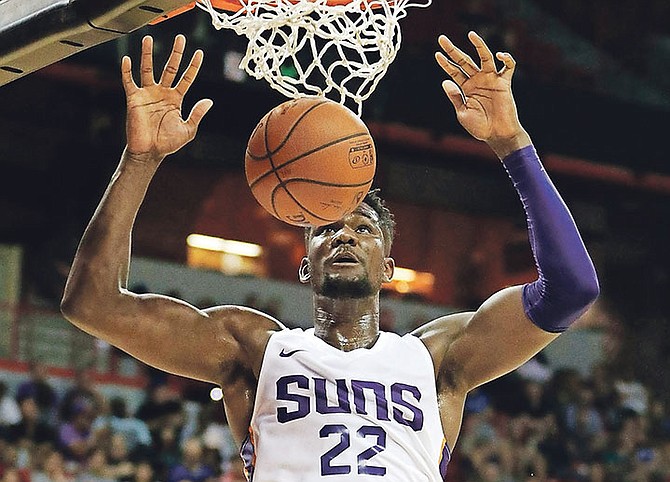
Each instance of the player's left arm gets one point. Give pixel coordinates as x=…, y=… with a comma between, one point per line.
x=515, y=323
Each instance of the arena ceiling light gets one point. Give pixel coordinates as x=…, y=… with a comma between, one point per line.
x=404, y=274
x=229, y=246
x=407, y=280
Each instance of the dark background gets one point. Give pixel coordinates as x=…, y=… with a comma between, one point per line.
x=592, y=89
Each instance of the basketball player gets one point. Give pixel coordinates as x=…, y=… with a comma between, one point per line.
x=341, y=401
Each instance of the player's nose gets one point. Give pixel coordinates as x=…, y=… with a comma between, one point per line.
x=344, y=235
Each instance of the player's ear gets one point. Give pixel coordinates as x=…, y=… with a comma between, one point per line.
x=303, y=272
x=389, y=268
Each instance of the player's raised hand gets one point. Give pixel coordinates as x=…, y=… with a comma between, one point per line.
x=482, y=94
x=154, y=123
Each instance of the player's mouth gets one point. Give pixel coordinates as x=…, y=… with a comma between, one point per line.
x=344, y=258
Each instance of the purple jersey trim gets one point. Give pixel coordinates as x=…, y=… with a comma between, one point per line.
x=444, y=461
x=248, y=452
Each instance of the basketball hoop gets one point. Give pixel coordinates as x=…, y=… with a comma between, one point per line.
x=339, y=49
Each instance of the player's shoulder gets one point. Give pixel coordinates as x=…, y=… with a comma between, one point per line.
x=247, y=329
x=448, y=325
x=438, y=335
x=299, y=336
x=244, y=322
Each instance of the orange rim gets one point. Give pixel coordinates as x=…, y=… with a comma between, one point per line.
x=232, y=6
x=173, y=13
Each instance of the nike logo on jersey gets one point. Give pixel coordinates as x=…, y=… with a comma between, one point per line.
x=286, y=354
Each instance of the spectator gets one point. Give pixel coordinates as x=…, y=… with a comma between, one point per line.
x=76, y=437
x=32, y=427
x=526, y=459
x=192, y=467
x=96, y=468
x=562, y=390
x=553, y=448
x=632, y=393
x=584, y=424
x=9, y=409
x=9, y=467
x=167, y=452
x=120, y=466
x=49, y=466
x=606, y=399
x=12, y=475
x=144, y=472
x=487, y=466
x=161, y=409
x=478, y=428
x=477, y=401
x=532, y=400
x=663, y=460
x=39, y=389
x=621, y=456
x=536, y=369
x=83, y=390
x=135, y=432
x=235, y=471
x=217, y=435
x=485, y=452
x=659, y=419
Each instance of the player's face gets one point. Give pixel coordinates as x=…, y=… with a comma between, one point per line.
x=346, y=259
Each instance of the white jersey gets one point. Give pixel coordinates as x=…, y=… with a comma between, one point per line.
x=363, y=415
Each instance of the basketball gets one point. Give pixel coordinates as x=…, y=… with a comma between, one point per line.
x=310, y=161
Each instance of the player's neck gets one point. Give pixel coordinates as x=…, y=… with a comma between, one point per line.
x=347, y=324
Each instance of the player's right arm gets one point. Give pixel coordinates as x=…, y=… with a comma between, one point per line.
x=161, y=331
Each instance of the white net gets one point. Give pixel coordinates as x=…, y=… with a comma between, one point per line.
x=312, y=48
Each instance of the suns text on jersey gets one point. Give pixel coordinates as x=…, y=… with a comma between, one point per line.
x=397, y=401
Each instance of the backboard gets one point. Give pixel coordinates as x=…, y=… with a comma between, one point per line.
x=37, y=33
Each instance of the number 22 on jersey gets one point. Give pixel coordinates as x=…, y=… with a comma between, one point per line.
x=364, y=465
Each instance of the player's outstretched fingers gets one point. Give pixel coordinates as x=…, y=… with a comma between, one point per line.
x=450, y=68
x=485, y=55
x=198, y=112
x=147, y=62
x=457, y=56
x=454, y=94
x=129, y=85
x=172, y=66
x=190, y=73
x=509, y=64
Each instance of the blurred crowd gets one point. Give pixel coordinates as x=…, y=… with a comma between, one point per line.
x=535, y=424
x=80, y=435
x=563, y=426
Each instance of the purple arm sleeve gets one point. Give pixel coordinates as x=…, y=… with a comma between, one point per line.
x=567, y=282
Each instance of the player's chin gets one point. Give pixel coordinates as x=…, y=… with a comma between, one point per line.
x=346, y=286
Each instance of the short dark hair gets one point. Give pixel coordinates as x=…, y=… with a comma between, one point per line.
x=386, y=218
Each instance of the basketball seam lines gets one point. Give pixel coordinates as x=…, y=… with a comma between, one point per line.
x=297, y=158
x=286, y=137
x=323, y=183
x=282, y=185
x=273, y=171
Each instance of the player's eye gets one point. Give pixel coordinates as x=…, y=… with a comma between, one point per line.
x=364, y=228
x=324, y=230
